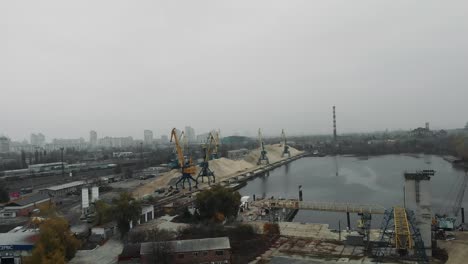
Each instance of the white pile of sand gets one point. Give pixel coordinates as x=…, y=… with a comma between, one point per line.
x=223, y=168
x=274, y=153
x=159, y=182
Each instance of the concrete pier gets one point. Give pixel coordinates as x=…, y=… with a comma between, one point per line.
x=418, y=200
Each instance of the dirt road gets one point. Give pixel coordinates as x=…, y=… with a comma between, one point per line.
x=457, y=249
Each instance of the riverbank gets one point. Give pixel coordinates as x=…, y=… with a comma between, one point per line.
x=377, y=180
x=226, y=171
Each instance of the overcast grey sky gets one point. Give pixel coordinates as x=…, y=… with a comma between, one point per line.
x=119, y=67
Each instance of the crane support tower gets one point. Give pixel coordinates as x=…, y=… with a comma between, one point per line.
x=334, y=125
x=207, y=149
x=216, y=139
x=185, y=163
x=263, y=153
x=285, y=145
x=449, y=221
x=400, y=237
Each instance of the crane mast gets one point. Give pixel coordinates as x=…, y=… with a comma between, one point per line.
x=185, y=164
x=207, y=150
x=285, y=145
x=460, y=195
x=263, y=153
x=179, y=151
x=215, y=152
x=448, y=222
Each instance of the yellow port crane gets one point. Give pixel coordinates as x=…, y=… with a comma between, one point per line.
x=185, y=163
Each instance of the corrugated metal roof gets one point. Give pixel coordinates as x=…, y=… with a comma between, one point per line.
x=28, y=200
x=27, y=238
x=65, y=186
x=191, y=245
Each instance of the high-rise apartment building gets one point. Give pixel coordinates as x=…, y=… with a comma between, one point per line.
x=38, y=140
x=93, y=138
x=190, y=134
x=4, y=144
x=116, y=142
x=148, y=137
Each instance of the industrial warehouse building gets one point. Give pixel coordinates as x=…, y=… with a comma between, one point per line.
x=147, y=214
x=237, y=154
x=63, y=189
x=194, y=251
x=24, y=206
x=16, y=244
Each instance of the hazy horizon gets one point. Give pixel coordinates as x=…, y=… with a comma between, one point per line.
x=120, y=67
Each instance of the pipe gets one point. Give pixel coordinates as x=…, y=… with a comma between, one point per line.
x=349, y=220
x=463, y=215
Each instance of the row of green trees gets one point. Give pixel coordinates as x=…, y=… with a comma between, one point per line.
x=217, y=204
x=123, y=210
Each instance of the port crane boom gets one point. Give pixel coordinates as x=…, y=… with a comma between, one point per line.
x=263, y=153
x=215, y=151
x=207, y=149
x=285, y=145
x=461, y=193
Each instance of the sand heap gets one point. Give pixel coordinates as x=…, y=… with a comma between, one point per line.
x=274, y=153
x=159, y=182
x=223, y=168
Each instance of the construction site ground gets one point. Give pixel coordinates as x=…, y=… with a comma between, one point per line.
x=457, y=249
x=307, y=250
x=311, y=231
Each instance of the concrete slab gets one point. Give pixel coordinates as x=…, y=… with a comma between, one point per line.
x=105, y=254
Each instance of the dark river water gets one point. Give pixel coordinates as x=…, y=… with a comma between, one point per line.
x=377, y=180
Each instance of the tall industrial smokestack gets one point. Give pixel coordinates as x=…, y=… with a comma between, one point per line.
x=334, y=124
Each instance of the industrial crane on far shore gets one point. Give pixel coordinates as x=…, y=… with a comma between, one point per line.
x=263, y=153
x=285, y=145
x=185, y=163
x=207, y=149
x=449, y=222
x=215, y=152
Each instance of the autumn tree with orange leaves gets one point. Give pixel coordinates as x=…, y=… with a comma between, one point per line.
x=56, y=244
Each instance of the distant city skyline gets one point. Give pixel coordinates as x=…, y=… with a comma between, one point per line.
x=140, y=135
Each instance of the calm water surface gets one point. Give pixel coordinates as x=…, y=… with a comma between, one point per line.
x=377, y=180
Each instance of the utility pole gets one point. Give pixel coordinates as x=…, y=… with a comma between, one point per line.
x=31, y=177
x=404, y=197
x=339, y=230
x=334, y=125
x=61, y=157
